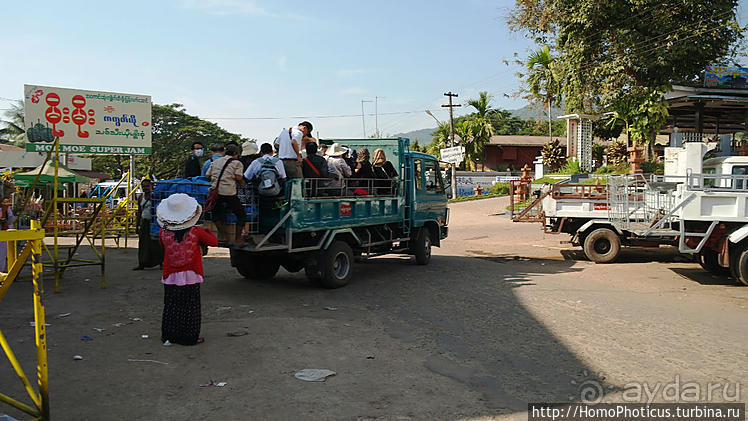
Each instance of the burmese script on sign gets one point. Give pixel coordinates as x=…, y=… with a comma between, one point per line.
x=87, y=121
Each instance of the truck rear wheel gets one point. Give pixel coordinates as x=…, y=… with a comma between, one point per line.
x=709, y=261
x=254, y=267
x=741, y=266
x=422, y=247
x=602, y=245
x=337, y=265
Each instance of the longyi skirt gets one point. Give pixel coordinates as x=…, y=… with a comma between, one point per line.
x=180, y=323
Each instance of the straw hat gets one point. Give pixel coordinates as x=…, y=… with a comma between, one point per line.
x=178, y=211
x=336, y=150
x=249, y=148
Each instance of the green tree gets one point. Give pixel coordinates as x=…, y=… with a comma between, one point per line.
x=553, y=155
x=174, y=131
x=480, y=125
x=12, y=130
x=625, y=49
x=542, y=82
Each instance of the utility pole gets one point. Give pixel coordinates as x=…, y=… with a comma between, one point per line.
x=376, y=115
x=451, y=106
x=363, y=121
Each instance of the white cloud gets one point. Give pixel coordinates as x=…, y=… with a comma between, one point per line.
x=353, y=91
x=351, y=72
x=236, y=7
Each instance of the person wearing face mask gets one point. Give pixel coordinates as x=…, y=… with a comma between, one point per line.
x=192, y=167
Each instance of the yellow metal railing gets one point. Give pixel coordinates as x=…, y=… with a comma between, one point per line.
x=34, y=237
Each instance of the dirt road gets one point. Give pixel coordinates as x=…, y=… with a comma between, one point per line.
x=502, y=316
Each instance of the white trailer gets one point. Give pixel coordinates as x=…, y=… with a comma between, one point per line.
x=703, y=213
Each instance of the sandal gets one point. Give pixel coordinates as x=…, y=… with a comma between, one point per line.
x=199, y=341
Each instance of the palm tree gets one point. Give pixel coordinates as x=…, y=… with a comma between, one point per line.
x=541, y=80
x=12, y=122
x=480, y=122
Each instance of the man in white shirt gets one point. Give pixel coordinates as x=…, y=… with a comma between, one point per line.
x=288, y=146
x=267, y=153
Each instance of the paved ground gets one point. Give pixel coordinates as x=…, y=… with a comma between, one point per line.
x=502, y=316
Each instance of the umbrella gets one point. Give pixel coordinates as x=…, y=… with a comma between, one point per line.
x=64, y=175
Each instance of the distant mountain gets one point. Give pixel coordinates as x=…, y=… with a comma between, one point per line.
x=528, y=112
x=423, y=136
x=535, y=112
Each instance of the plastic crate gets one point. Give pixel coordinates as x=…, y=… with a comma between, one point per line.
x=198, y=188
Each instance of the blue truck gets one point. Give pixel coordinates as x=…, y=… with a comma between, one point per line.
x=322, y=227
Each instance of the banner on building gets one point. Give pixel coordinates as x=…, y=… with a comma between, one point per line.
x=726, y=77
x=87, y=122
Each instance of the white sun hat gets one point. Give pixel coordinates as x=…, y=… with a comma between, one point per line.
x=249, y=148
x=336, y=149
x=178, y=211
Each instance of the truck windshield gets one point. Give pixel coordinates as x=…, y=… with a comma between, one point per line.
x=433, y=181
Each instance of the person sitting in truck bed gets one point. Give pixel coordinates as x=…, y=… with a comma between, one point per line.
x=337, y=168
x=384, y=172
x=314, y=168
x=363, y=171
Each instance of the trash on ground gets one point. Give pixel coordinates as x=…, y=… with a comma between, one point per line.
x=77, y=357
x=144, y=336
x=314, y=374
x=331, y=308
x=238, y=333
x=4, y=417
x=251, y=311
x=61, y=315
x=99, y=329
x=224, y=308
x=214, y=384
x=117, y=324
x=167, y=343
x=86, y=280
x=86, y=338
x=370, y=357
x=33, y=324
x=132, y=360
x=135, y=319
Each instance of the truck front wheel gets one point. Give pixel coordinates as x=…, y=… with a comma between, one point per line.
x=422, y=248
x=254, y=267
x=741, y=266
x=337, y=265
x=602, y=245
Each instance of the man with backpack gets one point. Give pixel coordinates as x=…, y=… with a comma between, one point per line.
x=224, y=173
x=268, y=170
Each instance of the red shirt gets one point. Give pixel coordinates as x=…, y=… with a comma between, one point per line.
x=180, y=256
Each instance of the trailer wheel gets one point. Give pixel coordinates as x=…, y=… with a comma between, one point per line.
x=422, y=249
x=253, y=267
x=602, y=245
x=709, y=261
x=337, y=265
x=741, y=266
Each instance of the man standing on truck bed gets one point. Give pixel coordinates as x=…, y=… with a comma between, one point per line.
x=192, y=166
x=224, y=173
x=288, y=144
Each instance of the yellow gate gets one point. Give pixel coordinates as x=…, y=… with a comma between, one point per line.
x=39, y=407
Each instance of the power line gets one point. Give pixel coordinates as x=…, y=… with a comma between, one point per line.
x=317, y=117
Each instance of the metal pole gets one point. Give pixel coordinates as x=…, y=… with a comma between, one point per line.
x=363, y=121
x=53, y=209
x=452, y=138
x=376, y=116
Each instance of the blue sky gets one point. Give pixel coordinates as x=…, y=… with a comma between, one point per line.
x=243, y=58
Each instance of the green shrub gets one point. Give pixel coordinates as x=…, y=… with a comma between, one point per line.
x=614, y=169
x=651, y=167
x=499, y=188
x=571, y=167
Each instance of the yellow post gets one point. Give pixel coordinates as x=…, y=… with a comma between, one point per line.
x=40, y=322
x=127, y=208
x=12, y=253
x=103, y=243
